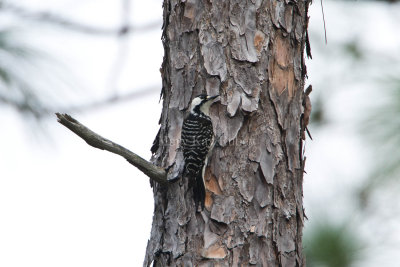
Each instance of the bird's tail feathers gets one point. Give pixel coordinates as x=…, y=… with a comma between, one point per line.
x=199, y=190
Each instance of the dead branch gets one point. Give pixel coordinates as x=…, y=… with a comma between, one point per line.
x=57, y=19
x=113, y=99
x=153, y=172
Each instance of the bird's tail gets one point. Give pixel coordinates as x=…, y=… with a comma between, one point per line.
x=197, y=185
x=199, y=192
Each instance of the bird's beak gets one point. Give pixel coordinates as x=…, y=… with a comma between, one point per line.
x=212, y=97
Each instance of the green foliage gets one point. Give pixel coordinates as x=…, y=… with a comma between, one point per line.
x=353, y=49
x=318, y=116
x=381, y=127
x=16, y=58
x=328, y=245
x=382, y=122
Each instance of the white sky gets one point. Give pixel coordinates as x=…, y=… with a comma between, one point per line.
x=67, y=204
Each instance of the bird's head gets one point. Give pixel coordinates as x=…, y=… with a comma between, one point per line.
x=201, y=104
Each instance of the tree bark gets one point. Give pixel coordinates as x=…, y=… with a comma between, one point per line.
x=252, y=54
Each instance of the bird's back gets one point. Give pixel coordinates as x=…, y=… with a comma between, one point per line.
x=197, y=133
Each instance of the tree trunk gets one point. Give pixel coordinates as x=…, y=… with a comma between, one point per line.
x=251, y=53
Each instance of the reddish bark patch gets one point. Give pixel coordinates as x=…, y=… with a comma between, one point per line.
x=214, y=252
x=282, y=79
x=259, y=38
x=212, y=183
x=190, y=11
x=208, y=201
x=282, y=50
x=281, y=70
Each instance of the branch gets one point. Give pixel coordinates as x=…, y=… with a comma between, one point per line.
x=113, y=99
x=153, y=172
x=73, y=25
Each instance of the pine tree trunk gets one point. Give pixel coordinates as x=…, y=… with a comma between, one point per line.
x=251, y=53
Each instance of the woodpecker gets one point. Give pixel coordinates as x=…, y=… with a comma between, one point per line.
x=197, y=141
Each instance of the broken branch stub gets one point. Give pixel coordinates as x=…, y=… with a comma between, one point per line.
x=93, y=139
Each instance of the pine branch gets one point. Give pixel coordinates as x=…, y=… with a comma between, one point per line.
x=113, y=99
x=93, y=139
x=56, y=19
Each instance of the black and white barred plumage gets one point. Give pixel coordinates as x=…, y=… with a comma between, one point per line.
x=197, y=138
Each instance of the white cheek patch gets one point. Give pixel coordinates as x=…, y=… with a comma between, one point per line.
x=205, y=108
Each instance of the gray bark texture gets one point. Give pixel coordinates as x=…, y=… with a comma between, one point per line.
x=252, y=54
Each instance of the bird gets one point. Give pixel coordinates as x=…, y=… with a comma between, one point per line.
x=197, y=141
